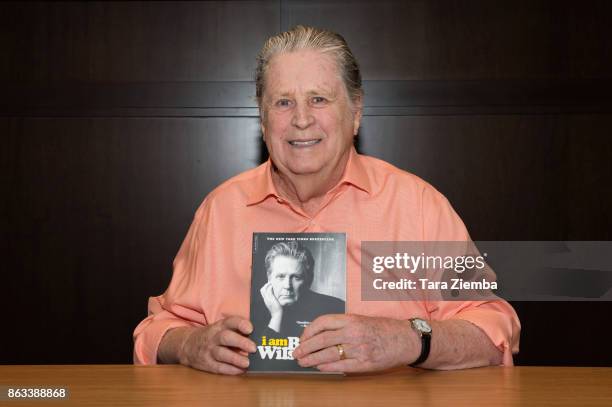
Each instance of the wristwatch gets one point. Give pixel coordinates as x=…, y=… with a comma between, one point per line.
x=423, y=329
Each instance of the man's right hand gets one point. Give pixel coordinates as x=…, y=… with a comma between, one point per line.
x=275, y=308
x=221, y=347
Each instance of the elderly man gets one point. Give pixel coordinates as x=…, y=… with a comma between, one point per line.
x=310, y=99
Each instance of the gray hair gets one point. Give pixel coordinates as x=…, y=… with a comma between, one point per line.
x=294, y=250
x=302, y=37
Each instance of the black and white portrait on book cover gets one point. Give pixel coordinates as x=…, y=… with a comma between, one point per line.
x=295, y=278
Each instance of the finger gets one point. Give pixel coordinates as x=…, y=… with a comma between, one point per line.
x=239, y=324
x=320, y=341
x=209, y=364
x=264, y=296
x=324, y=323
x=229, y=369
x=327, y=355
x=225, y=355
x=273, y=296
x=235, y=340
x=224, y=368
x=267, y=291
x=270, y=292
x=346, y=366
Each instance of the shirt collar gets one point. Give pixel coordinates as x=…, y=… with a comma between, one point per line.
x=354, y=174
x=262, y=186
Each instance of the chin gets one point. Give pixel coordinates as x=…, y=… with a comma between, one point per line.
x=305, y=168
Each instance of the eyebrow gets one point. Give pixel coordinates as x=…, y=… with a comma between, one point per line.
x=324, y=91
x=316, y=91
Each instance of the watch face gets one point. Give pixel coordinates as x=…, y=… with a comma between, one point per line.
x=421, y=325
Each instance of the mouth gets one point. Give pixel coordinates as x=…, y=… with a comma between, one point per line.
x=304, y=143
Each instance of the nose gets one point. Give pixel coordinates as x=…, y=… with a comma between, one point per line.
x=302, y=116
x=287, y=284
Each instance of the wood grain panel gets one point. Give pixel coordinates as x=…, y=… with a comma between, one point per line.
x=473, y=39
x=490, y=168
x=237, y=99
x=96, y=212
x=134, y=41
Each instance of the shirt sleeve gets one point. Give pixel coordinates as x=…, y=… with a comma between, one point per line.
x=179, y=305
x=496, y=318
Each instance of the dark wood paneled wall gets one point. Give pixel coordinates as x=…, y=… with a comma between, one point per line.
x=118, y=118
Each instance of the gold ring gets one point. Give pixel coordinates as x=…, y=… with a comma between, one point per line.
x=341, y=352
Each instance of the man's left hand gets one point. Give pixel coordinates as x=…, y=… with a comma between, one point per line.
x=369, y=343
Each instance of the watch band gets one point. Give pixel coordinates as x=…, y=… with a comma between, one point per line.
x=425, y=346
x=426, y=343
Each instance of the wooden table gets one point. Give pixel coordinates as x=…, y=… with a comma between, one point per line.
x=180, y=386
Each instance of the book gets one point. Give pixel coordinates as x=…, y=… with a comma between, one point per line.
x=295, y=278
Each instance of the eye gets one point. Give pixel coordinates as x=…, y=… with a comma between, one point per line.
x=283, y=103
x=318, y=100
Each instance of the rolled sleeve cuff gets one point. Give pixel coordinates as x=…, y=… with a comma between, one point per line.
x=502, y=329
x=148, y=336
x=149, y=333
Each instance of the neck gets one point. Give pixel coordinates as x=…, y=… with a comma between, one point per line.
x=308, y=190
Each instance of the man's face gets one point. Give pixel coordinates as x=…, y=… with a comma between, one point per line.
x=308, y=121
x=287, y=279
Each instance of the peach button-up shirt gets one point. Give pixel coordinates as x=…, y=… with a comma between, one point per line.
x=374, y=201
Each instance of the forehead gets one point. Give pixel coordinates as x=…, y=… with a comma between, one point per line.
x=286, y=264
x=302, y=71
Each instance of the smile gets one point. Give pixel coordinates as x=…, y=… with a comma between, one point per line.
x=304, y=143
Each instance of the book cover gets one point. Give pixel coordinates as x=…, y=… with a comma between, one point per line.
x=295, y=278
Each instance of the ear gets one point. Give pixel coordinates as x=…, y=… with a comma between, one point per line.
x=357, y=112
